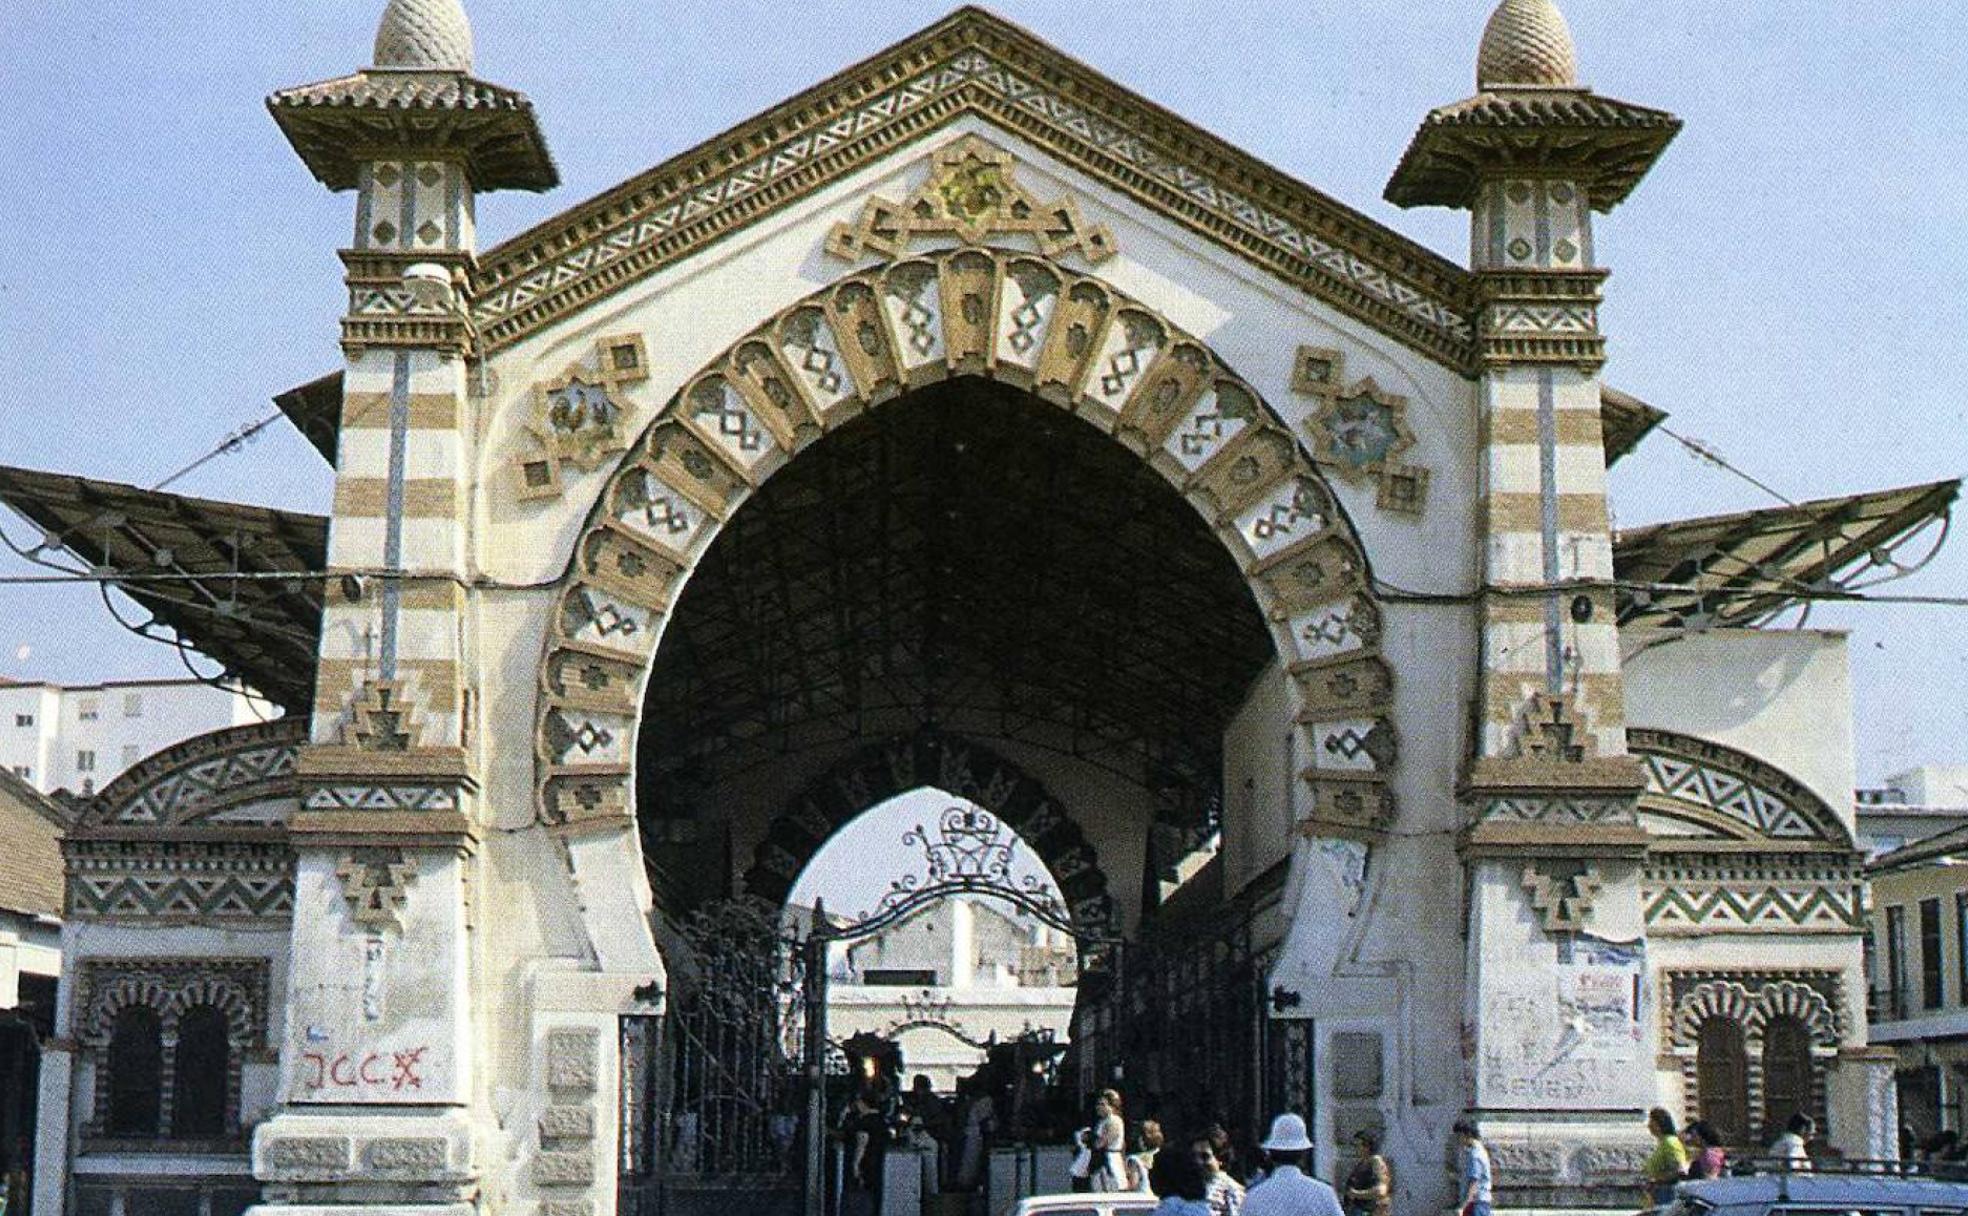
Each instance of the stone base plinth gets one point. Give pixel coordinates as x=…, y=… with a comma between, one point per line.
x=1565, y=1162
x=307, y=1158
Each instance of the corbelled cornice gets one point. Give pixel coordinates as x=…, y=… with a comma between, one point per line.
x=975, y=63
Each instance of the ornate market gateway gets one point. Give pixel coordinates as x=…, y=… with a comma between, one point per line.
x=411, y=929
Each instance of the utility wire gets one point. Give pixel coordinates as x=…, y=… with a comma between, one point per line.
x=1707, y=454
x=1384, y=591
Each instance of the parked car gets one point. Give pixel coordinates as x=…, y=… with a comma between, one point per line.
x=1089, y=1203
x=1822, y=1194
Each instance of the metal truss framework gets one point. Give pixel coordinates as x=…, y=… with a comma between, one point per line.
x=968, y=557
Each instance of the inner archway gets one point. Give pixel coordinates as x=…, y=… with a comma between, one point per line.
x=942, y=978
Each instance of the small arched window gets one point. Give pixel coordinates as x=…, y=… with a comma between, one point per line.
x=1786, y=1073
x=136, y=1073
x=201, y=1071
x=1722, y=1079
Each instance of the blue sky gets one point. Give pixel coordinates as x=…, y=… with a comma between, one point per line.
x=855, y=867
x=1791, y=283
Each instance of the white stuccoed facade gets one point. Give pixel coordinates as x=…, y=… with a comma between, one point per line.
x=1479, y=837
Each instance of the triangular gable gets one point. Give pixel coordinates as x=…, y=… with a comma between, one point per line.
x=974, y=63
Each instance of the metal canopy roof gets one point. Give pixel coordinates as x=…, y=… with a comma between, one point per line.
x=1738, y=569
x=1741, y=569
x=1624, y=420
x=264, y=630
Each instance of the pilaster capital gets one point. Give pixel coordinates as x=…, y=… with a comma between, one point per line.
x=353, y=796
x=1603, y=145
x=1540, y=316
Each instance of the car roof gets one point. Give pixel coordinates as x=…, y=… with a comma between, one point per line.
x=1120, y=1200
x=1812, y=1188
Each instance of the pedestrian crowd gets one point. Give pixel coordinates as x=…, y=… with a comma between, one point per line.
x=1202, y=1174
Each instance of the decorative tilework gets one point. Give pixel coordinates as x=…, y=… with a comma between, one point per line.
x=978, y=64
x=1073, y=341
x=1359, y=431
x=1728, y=792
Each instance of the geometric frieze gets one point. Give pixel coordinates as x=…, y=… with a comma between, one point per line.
x=1736, y=905
x=972, y=194
x=1073, y=341
x=1563, y=809
x=1073, y=117
x=356, y=794
x=1730, y=793
x=202, y=778
x=179, y=880
x=1360, y=430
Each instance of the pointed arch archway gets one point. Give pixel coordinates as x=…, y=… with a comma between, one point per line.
x=875, y=774
x=1068, y=339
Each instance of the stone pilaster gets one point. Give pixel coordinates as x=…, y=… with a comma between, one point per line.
x=376, y=1067
x=1559, y=1030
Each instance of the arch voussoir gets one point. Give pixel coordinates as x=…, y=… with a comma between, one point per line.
x=1070, y=339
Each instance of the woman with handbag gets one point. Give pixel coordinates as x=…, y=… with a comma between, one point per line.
x=1107, y=1145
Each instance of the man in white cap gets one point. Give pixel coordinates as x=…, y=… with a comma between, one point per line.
x=1287, y=1190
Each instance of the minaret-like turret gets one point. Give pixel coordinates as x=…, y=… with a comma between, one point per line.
x=1551, y=840
x=380, y=1035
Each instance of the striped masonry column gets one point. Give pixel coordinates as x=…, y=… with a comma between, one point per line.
x=1550, y=666
x=402, y=483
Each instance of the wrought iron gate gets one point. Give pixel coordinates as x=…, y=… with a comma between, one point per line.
x=713, y=1103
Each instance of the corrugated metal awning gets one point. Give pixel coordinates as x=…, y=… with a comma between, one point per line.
x=210, y=571
x=1743, y=568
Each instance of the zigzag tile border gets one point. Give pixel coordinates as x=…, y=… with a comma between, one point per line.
x=1312, y=242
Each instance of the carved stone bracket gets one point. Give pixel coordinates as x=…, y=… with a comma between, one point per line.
x=1359, y=431
x=971, y=195
x=577, y=419
x=376, y=883
x=1563, y=901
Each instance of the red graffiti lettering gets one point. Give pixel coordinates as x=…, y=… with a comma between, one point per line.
x=405, y=1075
x=389, y=1069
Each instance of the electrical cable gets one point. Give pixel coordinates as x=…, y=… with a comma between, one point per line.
x=1387, y=592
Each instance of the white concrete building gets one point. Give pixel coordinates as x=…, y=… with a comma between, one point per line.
x=967, y=421
x=1917, y=963
x=80, y=737
x=950, y=978
x=1911, y=806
